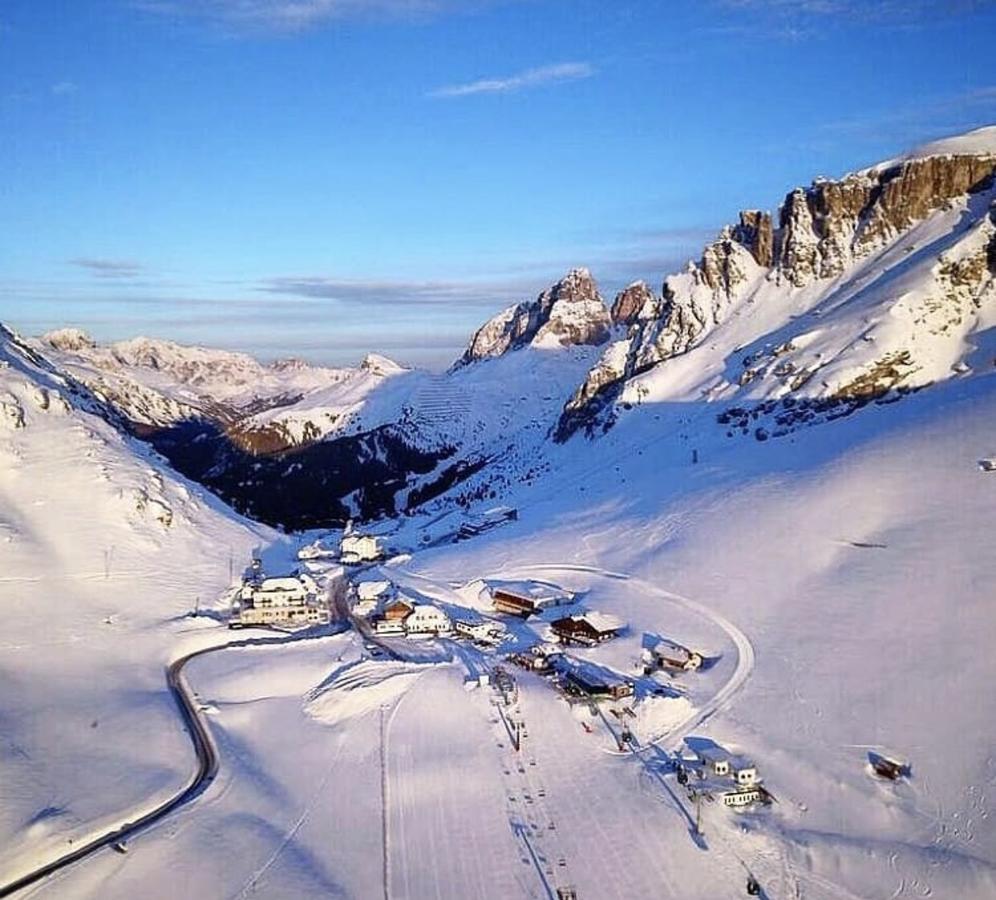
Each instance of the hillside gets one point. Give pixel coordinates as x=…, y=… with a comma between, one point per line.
x=103, y=551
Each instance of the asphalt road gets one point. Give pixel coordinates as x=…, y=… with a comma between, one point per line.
x=207, y=765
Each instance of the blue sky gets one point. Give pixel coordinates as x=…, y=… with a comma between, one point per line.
x=326, y=177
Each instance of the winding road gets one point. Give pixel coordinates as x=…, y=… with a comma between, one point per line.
x=207, y=765
x=207, y=753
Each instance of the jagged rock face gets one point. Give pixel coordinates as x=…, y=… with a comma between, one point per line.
x=629, y=301
x=799, y=254
x=918, y=186
x=691, y=303
x=756, y=233
x=571, y=312
x=720, y=267
x=822, y=231
x=826, y=226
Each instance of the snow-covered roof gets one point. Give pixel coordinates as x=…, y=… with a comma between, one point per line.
x=371, y=590
x=535, y=590
x=740, y=762
x=427, y=610
x=671, y=650
x=709, y=752
x=600, y=621
x=281, y=583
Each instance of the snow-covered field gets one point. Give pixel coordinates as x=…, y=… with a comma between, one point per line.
x=855, y=559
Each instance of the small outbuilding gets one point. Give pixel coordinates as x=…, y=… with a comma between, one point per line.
x=667, y=654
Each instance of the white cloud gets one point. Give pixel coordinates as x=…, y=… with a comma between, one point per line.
x=542, y=75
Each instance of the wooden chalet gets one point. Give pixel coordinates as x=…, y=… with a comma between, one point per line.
x=508, y=601
x=398, y=609
x=587, y=628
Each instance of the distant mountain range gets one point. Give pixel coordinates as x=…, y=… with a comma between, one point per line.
x=855, y=291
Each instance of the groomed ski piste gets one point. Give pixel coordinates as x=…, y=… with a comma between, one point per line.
x=838, y=578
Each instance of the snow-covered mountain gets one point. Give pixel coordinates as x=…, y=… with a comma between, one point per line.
x=159, y=382
x=858, y=290
x=875, y=283
x=837, y=580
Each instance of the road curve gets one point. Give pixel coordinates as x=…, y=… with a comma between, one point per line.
x=207, y=764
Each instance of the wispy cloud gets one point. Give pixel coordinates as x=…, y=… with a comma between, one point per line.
x=399, y=293
x=289, y=16
x=108, y=268
x=530, y=78
x=62, y=88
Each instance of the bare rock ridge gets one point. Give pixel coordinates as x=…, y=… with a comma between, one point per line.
x=571, y=312
x=629, y=301
x=822, y=231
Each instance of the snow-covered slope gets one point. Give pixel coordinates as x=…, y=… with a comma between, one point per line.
x=102, y=551
x=158, y=382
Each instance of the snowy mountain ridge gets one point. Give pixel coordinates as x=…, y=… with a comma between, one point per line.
x=857, y=291
x=834, y=248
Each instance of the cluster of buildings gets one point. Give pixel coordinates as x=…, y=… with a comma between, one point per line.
x=390, y=613
x=718, y=773
x=279, y=601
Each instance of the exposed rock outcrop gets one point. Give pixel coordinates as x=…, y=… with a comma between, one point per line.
x=629, y=301
x=71, y=340
x=756, y=233
x=571, y=312
x=822, y=230
x=825, y=227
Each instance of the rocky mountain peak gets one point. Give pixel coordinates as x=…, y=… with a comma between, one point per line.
x=630, y=301
x=70, y=340
x=822, y=231
x=570, y=312
x=376, y=364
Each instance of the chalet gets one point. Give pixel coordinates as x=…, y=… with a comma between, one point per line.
x=472, y=625
x=398, y=609
x=360, y=548
x=586, y=628
x=669, y=655
x=283, y=600
x=427, y=619
x=528, y=598
x=507, y=601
